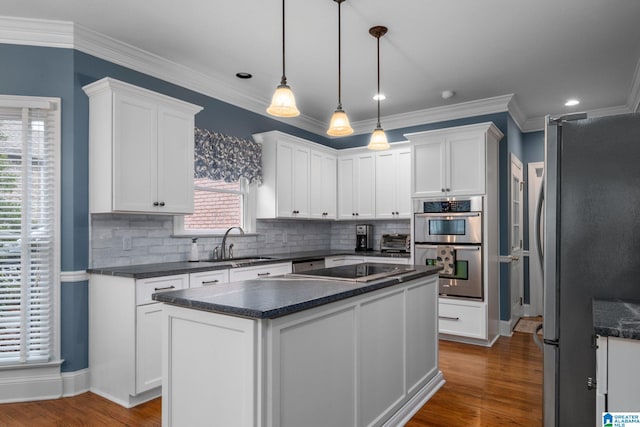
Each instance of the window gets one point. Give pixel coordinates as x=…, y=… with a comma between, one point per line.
x=218, y=205
x=29, y=146
x=226, y=171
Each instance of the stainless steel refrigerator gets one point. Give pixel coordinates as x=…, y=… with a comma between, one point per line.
x=591, y=249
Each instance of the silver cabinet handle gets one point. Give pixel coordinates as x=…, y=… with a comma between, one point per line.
x=448, y=318
x=263, y=274
x=210, y=282
x=166, y=288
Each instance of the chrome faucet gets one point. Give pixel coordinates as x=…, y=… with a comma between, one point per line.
x=224, y=242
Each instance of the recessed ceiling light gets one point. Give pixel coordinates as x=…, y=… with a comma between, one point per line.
x=571, y=102
x=379, y=96
x=446, y=94
x=243, y=75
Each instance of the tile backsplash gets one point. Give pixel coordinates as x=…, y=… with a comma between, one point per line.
x=121, y=239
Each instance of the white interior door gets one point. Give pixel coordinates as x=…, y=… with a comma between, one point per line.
x=534, y=186
x=516, y=276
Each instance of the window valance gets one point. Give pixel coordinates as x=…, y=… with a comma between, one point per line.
x=227, y=158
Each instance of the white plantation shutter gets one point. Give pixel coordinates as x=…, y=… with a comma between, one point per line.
x=28, y=231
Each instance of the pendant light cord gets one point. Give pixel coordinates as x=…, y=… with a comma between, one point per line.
x=283, y=80
x=378, y=37
x=339, y=56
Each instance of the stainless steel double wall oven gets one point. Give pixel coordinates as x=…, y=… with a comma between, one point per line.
x=453, y=225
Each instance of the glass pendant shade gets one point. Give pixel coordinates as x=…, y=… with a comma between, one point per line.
x=283, y=103
x=339, y=125
x=378, y=140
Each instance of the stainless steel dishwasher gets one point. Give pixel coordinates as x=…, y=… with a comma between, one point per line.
x=306, y=265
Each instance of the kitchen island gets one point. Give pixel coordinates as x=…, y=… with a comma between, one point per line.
x=292, y=351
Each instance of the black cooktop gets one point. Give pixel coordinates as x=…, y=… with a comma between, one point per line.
x=363, y=272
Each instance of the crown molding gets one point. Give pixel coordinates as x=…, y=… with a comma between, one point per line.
x=215, y=86
x=63, y=34
x=36, y=32
x=461, y=110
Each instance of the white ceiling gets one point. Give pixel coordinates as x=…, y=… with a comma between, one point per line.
x=543, y=52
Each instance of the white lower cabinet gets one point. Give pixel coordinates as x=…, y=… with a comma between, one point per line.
x=125, y=334
x=148, y=342
x=259, y=271
x=618, y=379
x=462, y=318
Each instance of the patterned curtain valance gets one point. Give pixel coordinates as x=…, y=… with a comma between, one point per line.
x=227, y=158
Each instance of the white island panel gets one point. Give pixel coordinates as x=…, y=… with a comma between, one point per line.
x=209, y=369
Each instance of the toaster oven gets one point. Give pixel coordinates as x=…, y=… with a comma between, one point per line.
x=395, y=243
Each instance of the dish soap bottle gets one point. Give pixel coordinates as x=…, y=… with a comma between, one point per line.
x=194, y=256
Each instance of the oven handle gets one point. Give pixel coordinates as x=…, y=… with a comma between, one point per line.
x=457, y=248
x=449, y=214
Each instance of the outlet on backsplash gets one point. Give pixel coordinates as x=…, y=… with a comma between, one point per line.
x=126, y=243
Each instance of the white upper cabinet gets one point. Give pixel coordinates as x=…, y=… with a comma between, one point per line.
x=450, y=162
x=393, y=172
x=323, y=176
x=356, y=186
x=140, y=150
x=298, y=178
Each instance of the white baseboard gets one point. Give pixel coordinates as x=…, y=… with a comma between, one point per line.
x=413, y=405
x=506, y=328
x=75, y=383
x=526, y=310
x=30, y=382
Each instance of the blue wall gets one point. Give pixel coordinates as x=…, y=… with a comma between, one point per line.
x=57, y=72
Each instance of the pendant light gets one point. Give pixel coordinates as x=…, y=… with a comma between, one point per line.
x=283, y=103
x=378, y=139
x=339, y=124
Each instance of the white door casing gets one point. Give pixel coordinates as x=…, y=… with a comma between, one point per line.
x=534, y=185
x=516, y=275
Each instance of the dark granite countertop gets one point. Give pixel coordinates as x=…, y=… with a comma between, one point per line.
x=617, y=318
x=145, y=271
x=269, y=298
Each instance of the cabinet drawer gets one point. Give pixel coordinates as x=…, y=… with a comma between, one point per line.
x=258, y=271
x=462, y=319
x=386, y=260
x=342, y=260
x=208, y=278
x=147, y=287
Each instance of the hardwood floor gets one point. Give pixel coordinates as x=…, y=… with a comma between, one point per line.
x=498, y=386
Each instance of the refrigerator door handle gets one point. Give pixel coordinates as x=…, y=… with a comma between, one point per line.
x=539, y=223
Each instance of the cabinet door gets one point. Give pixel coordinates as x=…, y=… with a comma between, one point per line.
x=322, y=186
x=623, y=376
x=148, y=347
x=300, y=182
x=386, y=173
x=346, y=187
x=284, y=180
x=135, y=154
x=465, y=164
x=428, y=168
x=365, y=187
x=175, y=161
x=403, y=184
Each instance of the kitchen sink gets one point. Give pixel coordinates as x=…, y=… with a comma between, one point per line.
x=236, y=262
